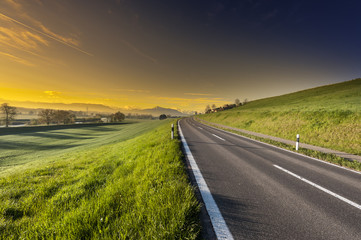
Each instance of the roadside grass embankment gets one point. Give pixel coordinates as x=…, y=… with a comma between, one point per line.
x=332, y=158
x=125, y=189
x=328, y=116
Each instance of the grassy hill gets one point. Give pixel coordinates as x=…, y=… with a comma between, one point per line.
x=107, y=182
x=327, y=116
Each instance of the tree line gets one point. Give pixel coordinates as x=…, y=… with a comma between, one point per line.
x=68, y=117
x=52, y=116
x=214, y=108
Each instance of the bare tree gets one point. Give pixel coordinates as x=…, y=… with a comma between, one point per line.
x=245, y=101
x=214, y=106
x=9, y=113
x=47, y=115
x=237, y=102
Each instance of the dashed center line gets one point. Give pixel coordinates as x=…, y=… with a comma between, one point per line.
x=319, y=187
x=218, y=137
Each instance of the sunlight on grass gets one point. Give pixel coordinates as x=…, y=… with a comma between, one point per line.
x=133, y=189
x=328, y=116
x=21, y=150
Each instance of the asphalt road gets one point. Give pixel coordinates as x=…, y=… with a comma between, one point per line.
x=264, y=192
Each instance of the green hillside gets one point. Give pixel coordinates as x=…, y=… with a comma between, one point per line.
x=328, y=116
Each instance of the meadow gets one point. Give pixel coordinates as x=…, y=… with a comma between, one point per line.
x=30, y=146
x=328, y=116
x=109, y=182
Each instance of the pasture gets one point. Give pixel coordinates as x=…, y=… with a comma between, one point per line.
x=21, y=148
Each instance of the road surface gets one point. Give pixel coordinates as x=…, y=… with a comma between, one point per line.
x=264, y=192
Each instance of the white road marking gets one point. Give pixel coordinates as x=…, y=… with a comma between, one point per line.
x=219, y=225
x=321, y=188
x=218, y=137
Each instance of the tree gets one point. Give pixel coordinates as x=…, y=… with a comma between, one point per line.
x=47, y=115
x=162, y=117
x=245, y=101
x=237, y=102
x=208, y=109
x=214, y=106
x=118, y=117
x=9, y=113
x=63, y=116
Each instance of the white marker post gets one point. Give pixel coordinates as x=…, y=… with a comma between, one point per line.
x=298, y=141
x=172, y=132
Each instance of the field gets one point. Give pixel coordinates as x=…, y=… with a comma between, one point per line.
x=328, y=116
x=30, y=146
x=109, y=182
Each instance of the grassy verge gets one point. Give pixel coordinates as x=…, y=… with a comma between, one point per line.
x=339, y=130
x=328, y=116
x=133, y=189
x=332, y=158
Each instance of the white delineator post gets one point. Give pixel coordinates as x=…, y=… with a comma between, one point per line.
x=172, y=132
x=298, y=141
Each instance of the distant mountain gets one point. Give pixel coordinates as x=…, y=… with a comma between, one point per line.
x=159, y=110
x=64, y=106
x=34, y=107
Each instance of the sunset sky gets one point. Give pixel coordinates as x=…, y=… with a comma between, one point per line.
x=181, y=54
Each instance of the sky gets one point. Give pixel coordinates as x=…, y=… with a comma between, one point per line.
x=180, y=54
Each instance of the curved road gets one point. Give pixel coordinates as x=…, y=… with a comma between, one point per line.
x=264, y=192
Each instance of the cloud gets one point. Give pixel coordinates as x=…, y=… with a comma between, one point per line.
x=52, y=94
x=47, y=33
x=23, y=26
x=13, y=4
x=62, y=39
x=17, y=59
x=22, y=40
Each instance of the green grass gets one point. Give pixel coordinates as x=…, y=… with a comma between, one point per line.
x=332, y=158
x=22, y=150
x=126, y=189
x=328, y=116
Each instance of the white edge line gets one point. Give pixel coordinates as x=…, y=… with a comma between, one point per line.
x=319, y=187
x=219, y=225
x=315, y=159
x=218, y=137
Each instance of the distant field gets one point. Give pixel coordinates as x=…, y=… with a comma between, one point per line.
x=328, y=116
x=110, y=182
x=20, y=150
